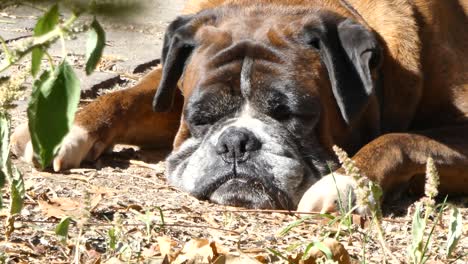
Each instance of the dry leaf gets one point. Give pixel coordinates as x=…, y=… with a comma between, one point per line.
x=79, y=177
x=104, y=191
x=92, y=257
x=339, y=253
x=242, y=259
x=61, y=207
x=199, y=251
x=114, y=260
x=15, y=248
x=165, y=246
x=360, y=221
x=95, y=200
x=4, y=212
x=152, y=251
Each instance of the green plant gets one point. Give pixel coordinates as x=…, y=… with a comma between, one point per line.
x=419, y=249
x=455, y=231
x=3, y=258
x=61, y=230
x=114, y=233
x=148, y=219
x=56, y=89
x=9, y=172
x=320, y=246
x=368, y=196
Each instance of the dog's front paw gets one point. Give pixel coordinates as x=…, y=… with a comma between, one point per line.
x=78, y=145
x=326, y=195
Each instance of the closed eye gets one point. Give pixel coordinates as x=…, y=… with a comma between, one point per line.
x=283, y=113
x=202, y=118
x=280, y=113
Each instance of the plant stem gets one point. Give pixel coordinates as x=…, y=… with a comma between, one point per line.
x=62, y=41
x=5, y=49
x=50, y=59
x=47, y=38
x=77, y=247
x=381, y=237
x=426, y=245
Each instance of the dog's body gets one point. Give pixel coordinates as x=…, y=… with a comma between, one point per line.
x=270, y=86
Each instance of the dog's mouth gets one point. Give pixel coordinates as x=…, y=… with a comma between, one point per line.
x=248, y=191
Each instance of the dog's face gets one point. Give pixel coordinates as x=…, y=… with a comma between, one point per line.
x=258, y=83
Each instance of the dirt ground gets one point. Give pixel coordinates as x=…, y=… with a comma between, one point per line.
x=126, y=191
x=123, y=210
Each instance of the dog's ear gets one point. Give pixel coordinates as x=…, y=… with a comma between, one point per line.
x=350, y=52
x=178, y=44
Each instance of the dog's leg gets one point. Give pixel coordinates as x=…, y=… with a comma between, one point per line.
x=124, y=116
x=399, y=159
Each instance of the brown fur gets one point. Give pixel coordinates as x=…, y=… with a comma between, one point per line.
x=425, y=89
x=103, y=118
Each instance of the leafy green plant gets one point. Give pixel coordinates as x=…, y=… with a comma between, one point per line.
x=54, y=101
x=9, y=172
x=115, y=233
x=418, y=251
x=320, y=246
x=56, y=89
x=44, y=25
x=61, y=230
x=278, y=254
x=148, y=219
x=368, y=194
x=301, y=220
x=455, y=231
x=94, y=46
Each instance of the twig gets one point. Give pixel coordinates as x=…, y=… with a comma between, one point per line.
x=144, y=164
x=138, y=224
x=147, y=180
x=17, y=38
x=264, y=211
x=269, y=211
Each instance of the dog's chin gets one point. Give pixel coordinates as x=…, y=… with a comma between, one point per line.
x=240, y=192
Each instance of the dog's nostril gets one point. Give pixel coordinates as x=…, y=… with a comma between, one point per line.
x=252, y=145
x=234, y=143
x=221, y=148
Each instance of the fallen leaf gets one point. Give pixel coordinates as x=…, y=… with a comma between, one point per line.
x=92, y=257
x=95, y=200
x=361, y=221
x=15, y=248
x=61, y=206
x=114, y=260
x=4, y=212
x=104, y=191
x=199, y=251
x=165, y=246
x=242, y=259
x=152, y=251
x=338, y=252
x=135, y=207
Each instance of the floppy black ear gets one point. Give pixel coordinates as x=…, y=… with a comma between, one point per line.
x=350, y=52
x=178, y=44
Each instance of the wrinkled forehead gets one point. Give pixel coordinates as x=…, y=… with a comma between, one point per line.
x=256, y=22
x=243, y=51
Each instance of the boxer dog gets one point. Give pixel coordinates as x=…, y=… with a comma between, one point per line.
x=254, y=94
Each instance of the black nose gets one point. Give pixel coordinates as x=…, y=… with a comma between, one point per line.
x=236, y=144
